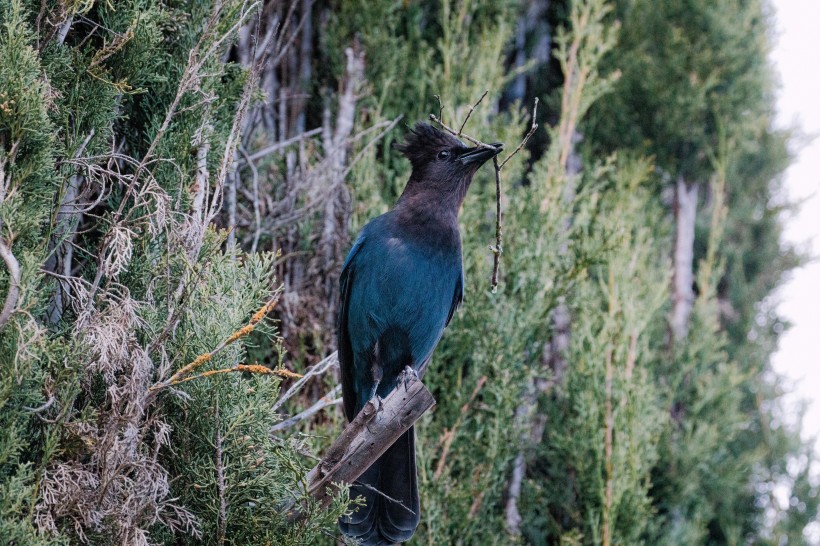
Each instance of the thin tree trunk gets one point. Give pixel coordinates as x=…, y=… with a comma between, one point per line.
x=683, y=295
x=337, y=206
x=554, y=360
x=68, y=216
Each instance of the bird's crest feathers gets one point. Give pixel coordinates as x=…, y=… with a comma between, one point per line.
x=423, y=139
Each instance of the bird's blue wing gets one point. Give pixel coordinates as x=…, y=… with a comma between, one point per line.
x=458, y=297
x=343, y=336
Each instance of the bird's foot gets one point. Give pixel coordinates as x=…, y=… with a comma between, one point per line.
x=377, y=401
x=407, y=375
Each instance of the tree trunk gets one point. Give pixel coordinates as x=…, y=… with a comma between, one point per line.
x=683, y=295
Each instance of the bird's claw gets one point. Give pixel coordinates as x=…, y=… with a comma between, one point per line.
x=407, y=375
x=377, y=401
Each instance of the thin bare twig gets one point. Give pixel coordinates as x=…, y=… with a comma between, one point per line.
x=526, y=137
x=609, y=423
x=13, y=293
x=370, y=144
x=220, y=484
x=330, y=399
x=328, y=362
x=450, y=435
x=440, y=107
x=470, y=113
x=453, y=132
x=283, y=144
x=496, y=249
x=383, y=495
x=283, y=48
x=257, y=216
x=44, y=407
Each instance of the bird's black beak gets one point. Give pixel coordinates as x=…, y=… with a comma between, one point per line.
x=480, y=154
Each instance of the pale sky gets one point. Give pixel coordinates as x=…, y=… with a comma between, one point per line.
x=796, y=57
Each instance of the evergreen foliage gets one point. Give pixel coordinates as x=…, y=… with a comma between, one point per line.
x=167, y=167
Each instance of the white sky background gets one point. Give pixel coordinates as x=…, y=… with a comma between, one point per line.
x=796, y=56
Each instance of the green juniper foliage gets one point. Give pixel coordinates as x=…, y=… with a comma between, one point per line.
x=167, y=167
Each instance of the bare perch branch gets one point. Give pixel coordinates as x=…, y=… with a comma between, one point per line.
x=284, y=144
x=13, y=293
x=366, y=438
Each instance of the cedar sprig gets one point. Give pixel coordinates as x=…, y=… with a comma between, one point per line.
x=182, y=375
x=249, y=368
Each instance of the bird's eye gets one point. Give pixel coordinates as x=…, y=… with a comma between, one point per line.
x=444, y=154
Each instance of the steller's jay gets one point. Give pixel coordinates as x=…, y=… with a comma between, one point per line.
x=400, y=286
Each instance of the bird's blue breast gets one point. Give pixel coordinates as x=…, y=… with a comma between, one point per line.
x=400, y=297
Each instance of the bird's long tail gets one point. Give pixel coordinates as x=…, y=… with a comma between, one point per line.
x=390, y=490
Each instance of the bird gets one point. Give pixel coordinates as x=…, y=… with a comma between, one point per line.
x=400, y=285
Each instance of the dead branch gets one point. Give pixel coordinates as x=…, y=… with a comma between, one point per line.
x=496, y=249
x=222, y=522
x=328, y=362
x=453, y=132
x=257, y=217
x=283, y=144
x=377, y=426
x=608, y=431
x=531, y=132
x=13, y=293
x=42, y=408
x=512, y=516
x=330, y=399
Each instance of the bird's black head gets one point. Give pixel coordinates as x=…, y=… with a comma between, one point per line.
x=442, y=163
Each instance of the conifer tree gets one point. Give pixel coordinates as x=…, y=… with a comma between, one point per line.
x=172, y=173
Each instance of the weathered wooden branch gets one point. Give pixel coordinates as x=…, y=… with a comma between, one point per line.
x=377, y=426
